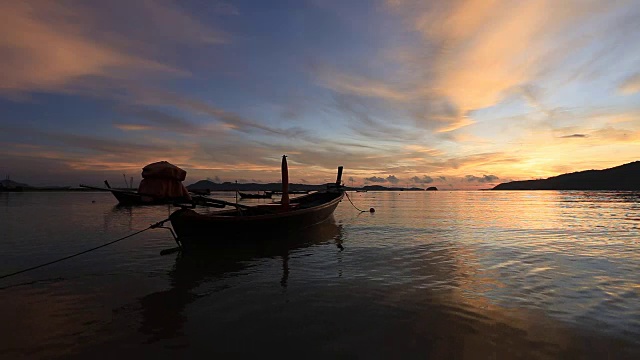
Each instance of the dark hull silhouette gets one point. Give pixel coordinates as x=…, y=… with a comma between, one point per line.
x=249, y=225
x=135, y=199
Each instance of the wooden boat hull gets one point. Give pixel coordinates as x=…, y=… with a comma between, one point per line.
x=133, y=198
x=229, y=228
x=136, y=199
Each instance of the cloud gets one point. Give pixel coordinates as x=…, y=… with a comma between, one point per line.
x=482, y=179
x=609, y=135
x=630, y=85
x=94, y=144
x=375, y=179
x=58, y=46
x=574, y=136
x=132, y=127
x=77, y=159
x=458, y=56
x=480, y=49
x=360, y=119
x=158, y=120
x=194, y=106
x=425, y=107
x=424, y=180
x=361, y=86
x=393, y=179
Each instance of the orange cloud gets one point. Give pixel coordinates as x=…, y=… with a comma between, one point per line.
x=471, y=55
x=631, y=85
x=133, y=127
x=52, y=46
x=479, y=49
x=362, y=86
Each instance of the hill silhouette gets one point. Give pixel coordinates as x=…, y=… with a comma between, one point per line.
x=623, y=177
x=10, y=185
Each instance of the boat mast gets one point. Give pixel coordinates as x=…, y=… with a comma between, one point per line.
x=285, y=183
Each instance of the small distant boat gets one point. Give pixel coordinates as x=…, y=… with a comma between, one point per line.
x=265, y=195
x=292, y=192
x=161, y=184
x=252, y=223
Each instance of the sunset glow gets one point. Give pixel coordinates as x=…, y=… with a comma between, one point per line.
x=454, y=94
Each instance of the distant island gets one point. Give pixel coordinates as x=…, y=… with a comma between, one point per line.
x=230, y=186
x=623, y=177
x=9, y=185
x=204, y=185
x=432, y=188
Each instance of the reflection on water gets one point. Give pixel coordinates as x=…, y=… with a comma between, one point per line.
x=162, y=312
x=429, y=275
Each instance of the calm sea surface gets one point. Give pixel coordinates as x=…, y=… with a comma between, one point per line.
x=448, y=274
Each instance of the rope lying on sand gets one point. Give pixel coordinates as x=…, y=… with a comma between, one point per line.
x=152, y=226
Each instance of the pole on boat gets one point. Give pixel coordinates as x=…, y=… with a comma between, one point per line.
x=236, y=191
x=285, y=183
x=339, y=178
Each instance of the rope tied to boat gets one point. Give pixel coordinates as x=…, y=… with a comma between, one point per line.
x=370, y=210
x=159, y=224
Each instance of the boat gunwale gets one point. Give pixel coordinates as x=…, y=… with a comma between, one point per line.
x=217, y=217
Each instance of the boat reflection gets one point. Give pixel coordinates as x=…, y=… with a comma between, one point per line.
x=163, y=312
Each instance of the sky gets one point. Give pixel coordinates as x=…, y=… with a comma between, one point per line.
x=457, y=94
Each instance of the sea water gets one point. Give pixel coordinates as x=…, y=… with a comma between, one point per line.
x=443, y=274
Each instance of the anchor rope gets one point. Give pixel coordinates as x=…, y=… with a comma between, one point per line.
x=152, y=226
x=346, y=193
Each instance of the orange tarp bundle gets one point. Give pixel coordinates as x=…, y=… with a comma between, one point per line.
x=163, y=189
x=163, y=170
x=163, y=180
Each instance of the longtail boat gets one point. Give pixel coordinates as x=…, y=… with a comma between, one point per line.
x=252, y=223
x=161, y=184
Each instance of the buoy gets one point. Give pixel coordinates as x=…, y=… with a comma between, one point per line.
x=372, y=210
